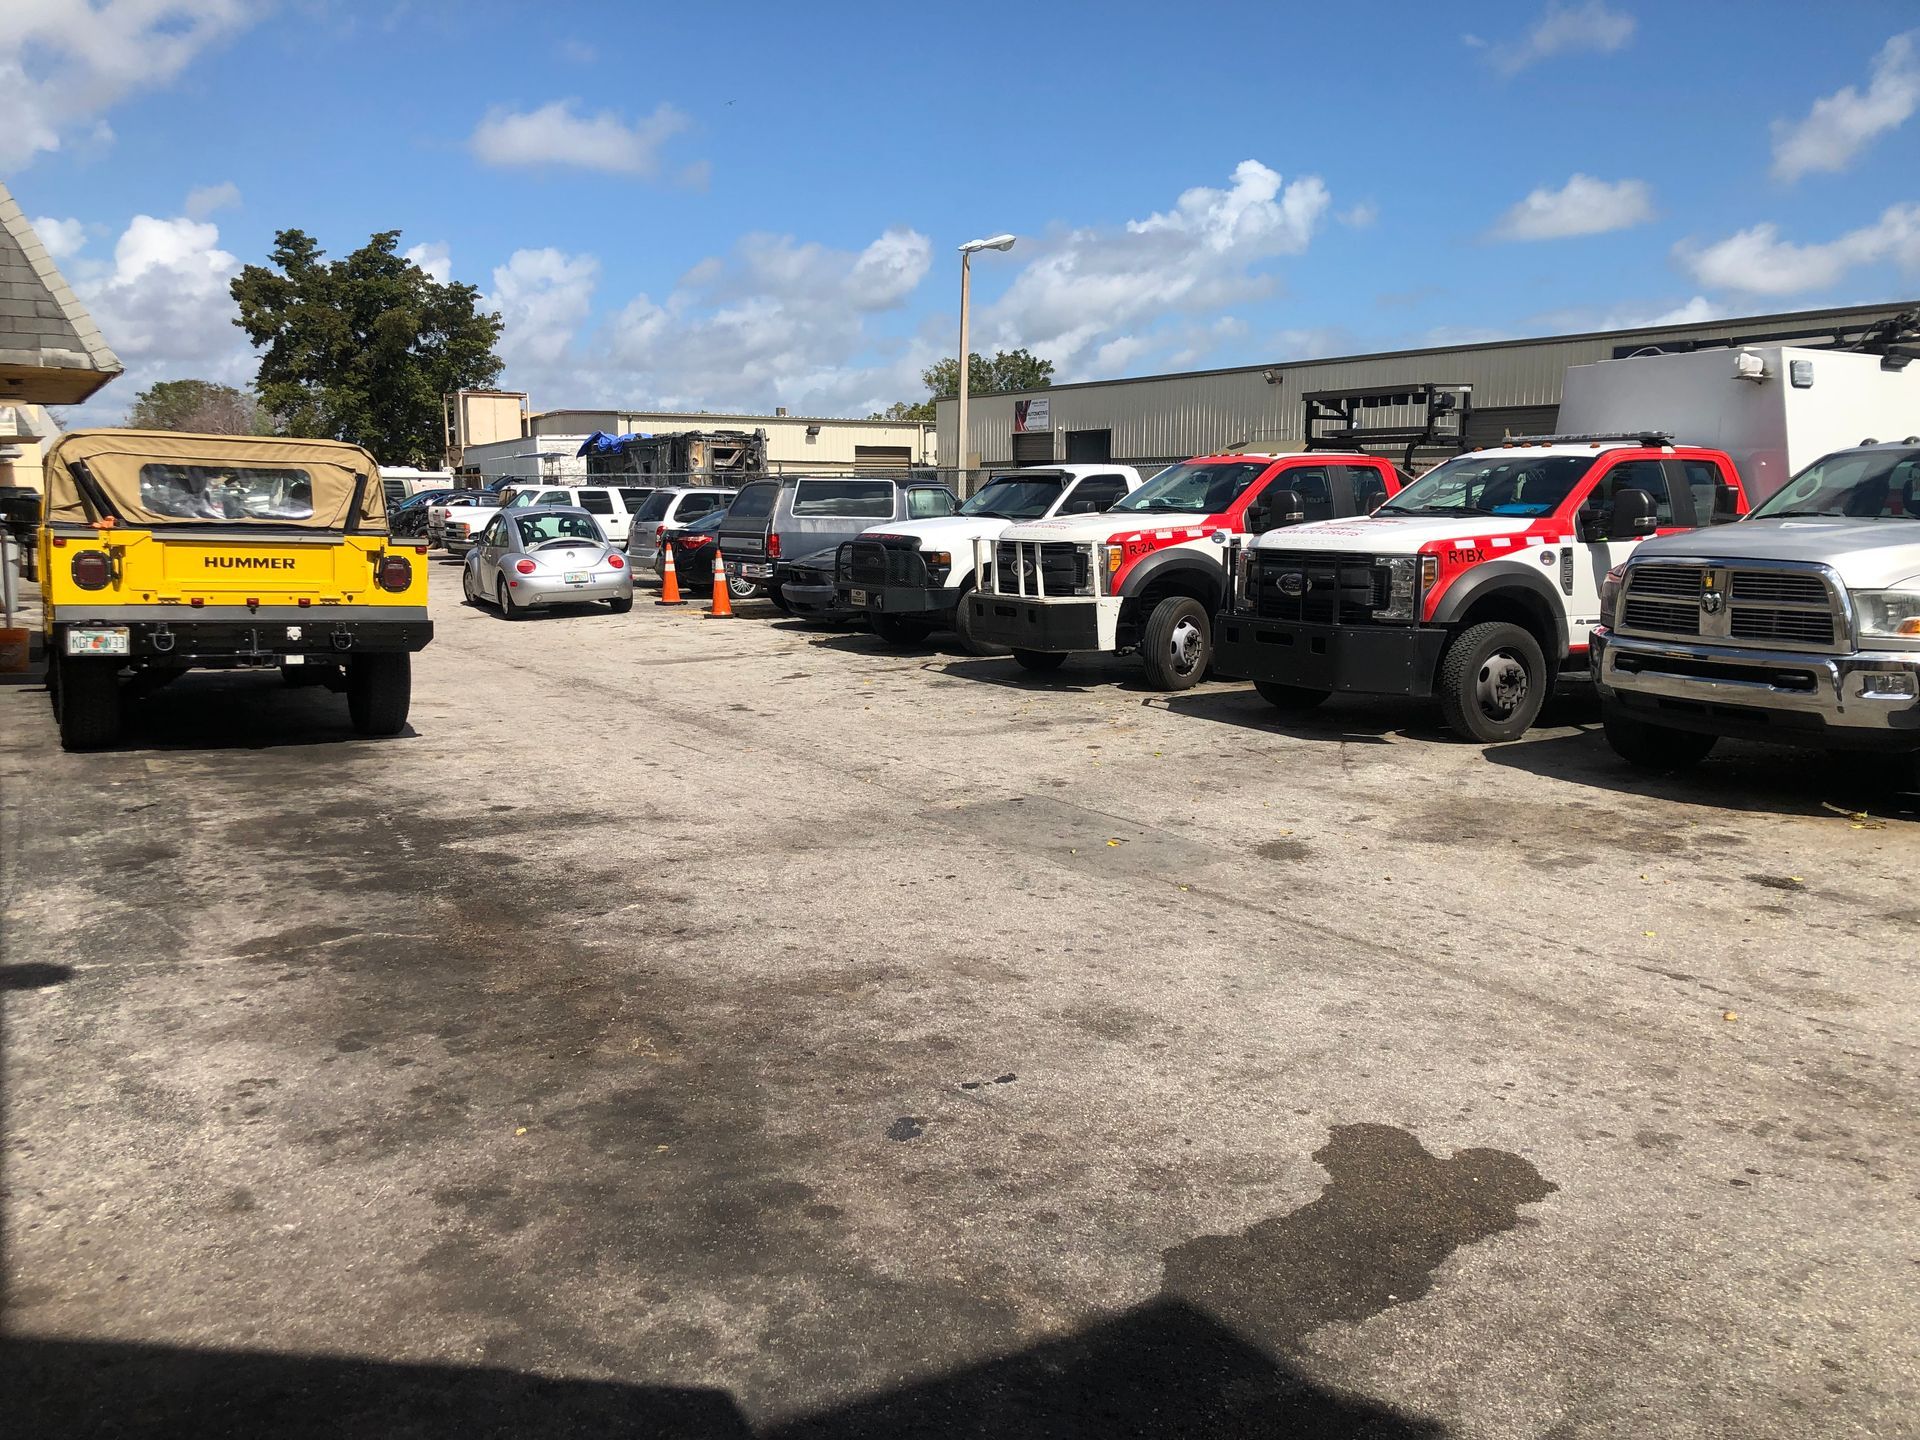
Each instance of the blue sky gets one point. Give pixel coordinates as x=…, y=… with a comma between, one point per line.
x=739, y=206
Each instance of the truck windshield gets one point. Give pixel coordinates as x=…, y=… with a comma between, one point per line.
x=1204, y=489
x=1013, y=499
x=1853, y=485
x=1507, y=482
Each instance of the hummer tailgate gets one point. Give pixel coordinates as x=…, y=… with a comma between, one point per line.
x=282, y=566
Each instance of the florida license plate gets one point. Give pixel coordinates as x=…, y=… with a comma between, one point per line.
x=97, y=642
x=859, y=597
x=578, y=577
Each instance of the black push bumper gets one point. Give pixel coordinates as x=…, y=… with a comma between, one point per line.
x=1058, y=626
x=917, y=602
x=207, y=636
x=1363, y=660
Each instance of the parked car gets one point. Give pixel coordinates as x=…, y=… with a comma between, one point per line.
x=809, y=588
x=461, y=513
x=409, y=517
x=693, y=552
x=666, y=511
x=797, y=515
x=536, y=556
x=1150, y=573
x=1799, y=625
x=915, y=578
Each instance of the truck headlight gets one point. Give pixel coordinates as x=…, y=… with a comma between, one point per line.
x=1242, y=568
x=939, y=564
x=1403, y=589
x=1889, y=614
x=1610, y=593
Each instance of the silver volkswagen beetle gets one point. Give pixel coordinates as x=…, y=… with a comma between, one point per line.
x=546, y=555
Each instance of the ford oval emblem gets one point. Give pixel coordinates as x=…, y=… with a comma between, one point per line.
x=1293, y=584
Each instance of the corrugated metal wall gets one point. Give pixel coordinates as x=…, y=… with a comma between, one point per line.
x=1162, y=418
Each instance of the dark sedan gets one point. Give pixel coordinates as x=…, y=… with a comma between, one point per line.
x=409, y=517
x=807, y=588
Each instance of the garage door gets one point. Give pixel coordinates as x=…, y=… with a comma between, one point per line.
x=1492, y=425
x=894, y=459
x=1035, y=447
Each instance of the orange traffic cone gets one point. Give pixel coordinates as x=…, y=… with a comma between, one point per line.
x=669, y=581
x=722, y=602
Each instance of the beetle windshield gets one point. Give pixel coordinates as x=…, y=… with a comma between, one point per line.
x=1879, y=484
x=1202, y=489
x=1506, y=482
x=1013, y=499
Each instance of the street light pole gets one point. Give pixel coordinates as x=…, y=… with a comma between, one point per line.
x=998, y=242
x=966, y=283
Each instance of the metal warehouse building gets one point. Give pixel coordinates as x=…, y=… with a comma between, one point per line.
x=1430, y=399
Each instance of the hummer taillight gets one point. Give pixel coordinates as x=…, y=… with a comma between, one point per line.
x=394, y=573
x=92, y=570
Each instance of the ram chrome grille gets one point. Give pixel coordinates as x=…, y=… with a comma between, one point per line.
x=1779, y=607
x=1310, y=587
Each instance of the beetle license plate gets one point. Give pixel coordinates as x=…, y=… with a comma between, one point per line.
x=579, y=577
x=111, y=641
x=859, y=597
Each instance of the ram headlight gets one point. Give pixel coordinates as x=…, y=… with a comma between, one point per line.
x=1889, y=614
x=1403, y=588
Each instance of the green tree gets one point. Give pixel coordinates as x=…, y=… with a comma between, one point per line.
x=363, y=349
x=201, y=407
x=1007, y=370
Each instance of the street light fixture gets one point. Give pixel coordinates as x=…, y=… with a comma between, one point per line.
x=995, y=242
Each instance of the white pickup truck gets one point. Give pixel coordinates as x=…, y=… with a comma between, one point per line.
x=1799, y=625
x=458, y=527
x=911, y=578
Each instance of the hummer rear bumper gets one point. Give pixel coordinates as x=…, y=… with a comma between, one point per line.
x=181, y=635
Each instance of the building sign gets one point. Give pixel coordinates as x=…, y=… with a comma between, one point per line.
x=1032, y=415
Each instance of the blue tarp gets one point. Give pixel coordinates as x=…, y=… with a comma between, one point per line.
x=601, y=443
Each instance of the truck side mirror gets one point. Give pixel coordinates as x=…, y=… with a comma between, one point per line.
x=1274, y=509
x=1635, y=515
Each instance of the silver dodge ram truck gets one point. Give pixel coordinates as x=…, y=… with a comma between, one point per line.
x=1799, y=624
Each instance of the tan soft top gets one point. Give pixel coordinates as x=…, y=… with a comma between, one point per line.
x=307, y=484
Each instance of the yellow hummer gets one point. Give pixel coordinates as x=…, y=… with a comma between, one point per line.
x=161, y=553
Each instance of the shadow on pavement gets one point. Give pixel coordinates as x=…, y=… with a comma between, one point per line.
x=1162, y=1370
x=237, y=710
x=1737, y=776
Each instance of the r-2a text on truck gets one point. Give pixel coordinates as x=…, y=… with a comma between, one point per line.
x=1477, y=584
x=1149, y=573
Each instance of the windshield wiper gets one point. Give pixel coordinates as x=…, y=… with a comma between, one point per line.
x=1805, y=515
x=1434, y=510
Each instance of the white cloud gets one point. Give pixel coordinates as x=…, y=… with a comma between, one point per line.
x=556, y=135
x=1583, y=206
x=61, y=237
x=1360, y=216
x=65, y=63
x=1085, y=288
x=774, y=322
x=435, y=258
x=206, y=199
x=1564, y=29
x=164, y=306
x=1759, y=262
x=1840, y=125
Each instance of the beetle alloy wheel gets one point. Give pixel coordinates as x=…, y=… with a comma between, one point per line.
x=1502, y=686
x=1187, y=643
